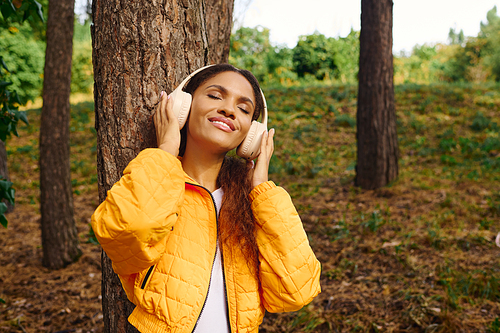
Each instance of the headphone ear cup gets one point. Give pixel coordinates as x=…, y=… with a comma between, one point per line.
x=250, y=147
x=182, y=104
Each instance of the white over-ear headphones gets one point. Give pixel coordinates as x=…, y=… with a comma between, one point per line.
x=249, y=148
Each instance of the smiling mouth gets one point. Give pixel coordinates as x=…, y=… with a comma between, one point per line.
x=221, y=124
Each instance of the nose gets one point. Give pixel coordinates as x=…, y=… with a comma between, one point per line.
x=227, y=110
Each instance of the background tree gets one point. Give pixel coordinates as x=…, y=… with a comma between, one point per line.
x=490, y=34
x=59, y=234
x=377, y=160
x=13, y=16
x=140, y=49
x=455, y=38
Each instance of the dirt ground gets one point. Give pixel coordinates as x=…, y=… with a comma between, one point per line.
x=41, y=300
x=415, y=256
x=69, y=300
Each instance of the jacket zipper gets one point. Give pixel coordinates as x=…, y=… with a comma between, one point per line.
x=215, y=254
x=225, y=289
x=150, y=270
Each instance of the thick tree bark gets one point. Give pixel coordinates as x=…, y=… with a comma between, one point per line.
x=59, y=234
x=139, y=49
x=219, y=14
x=377, y=163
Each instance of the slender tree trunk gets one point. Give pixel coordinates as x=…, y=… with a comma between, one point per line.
x=4, y=171
x=59, y=234
x=377, y=163
x=139, y=49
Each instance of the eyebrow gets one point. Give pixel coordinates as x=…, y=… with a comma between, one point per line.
x=225, y=91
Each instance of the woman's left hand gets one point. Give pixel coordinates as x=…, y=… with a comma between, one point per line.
x=259, y=172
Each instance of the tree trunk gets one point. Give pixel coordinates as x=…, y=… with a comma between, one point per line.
x=59, y=234
x=219, y=14
x=4, y=171
x=377, y=163
x=139, y=49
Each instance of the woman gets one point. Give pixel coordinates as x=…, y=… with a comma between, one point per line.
x=204, y=242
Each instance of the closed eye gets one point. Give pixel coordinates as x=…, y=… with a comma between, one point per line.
x=244, y=110
x=214, y=97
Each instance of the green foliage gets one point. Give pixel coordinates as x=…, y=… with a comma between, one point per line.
x=6, y=193
x=456, y=38
x=475, y=59
x=447, y=145
x=25, y=61
x=252, y=50
x=307, y=319
x=480, y=123
x=20, y=10
x=345, y=120
x=10, y=100
x=490, y=33
x=315, y=58
x=466, y=63
x=82, y=78
x=495, y=326
x=469, y=286
x=91, y=238
x=345, y=57
x=313, y=55
x=423, y=65
x=374, y=222
x=465, y=59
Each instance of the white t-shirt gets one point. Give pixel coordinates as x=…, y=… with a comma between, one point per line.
x=213, y=317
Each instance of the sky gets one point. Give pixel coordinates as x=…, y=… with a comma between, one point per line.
x=414, y=22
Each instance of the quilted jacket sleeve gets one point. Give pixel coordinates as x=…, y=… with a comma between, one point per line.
x=140, y=210
x=289, y=270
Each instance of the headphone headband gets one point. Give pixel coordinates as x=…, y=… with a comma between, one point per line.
x=190, y=76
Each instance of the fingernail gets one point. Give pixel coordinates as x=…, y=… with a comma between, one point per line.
x=168, y=97
x=161, y=95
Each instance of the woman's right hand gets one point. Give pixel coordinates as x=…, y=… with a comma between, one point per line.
x=168, y=135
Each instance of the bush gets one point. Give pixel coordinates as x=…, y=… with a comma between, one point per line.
x=25, y=61
x=345, y=120
x=480, y=123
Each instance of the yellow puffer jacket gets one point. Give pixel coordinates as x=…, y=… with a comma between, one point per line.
x=159, y=227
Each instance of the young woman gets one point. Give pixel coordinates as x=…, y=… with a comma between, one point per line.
x=203, y=242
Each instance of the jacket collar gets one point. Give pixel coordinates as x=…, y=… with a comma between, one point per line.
x=188, y=178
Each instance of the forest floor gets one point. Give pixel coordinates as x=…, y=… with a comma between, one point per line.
x=415, y=256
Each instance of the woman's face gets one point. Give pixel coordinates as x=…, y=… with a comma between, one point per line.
x=221, y=113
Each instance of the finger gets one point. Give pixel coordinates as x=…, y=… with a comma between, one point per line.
x=263, y=144
x=158, y=108
x=250, y=164
x=270, y=142
x=169, y=111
